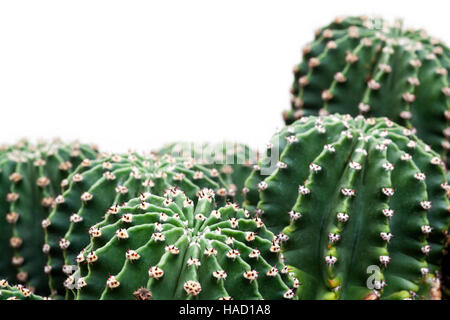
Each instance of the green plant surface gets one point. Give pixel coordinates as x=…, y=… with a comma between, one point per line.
x=102, y=186
x=17, y=292
x=171, y=248
x=232, y=161
x=30, y=177
x=363, y=65
x=350, y=194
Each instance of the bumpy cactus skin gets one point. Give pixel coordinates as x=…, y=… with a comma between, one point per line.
x=169, y=248
x=350, y=194
x=233, y=161
x=364, y=66
x=17, y=292
x=101, y=186
x=29, y=181
x=446, y=271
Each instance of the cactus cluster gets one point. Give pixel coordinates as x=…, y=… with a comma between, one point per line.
x=30, y=176
x=172, y=247
x=347, y=202
x=351, y=194
x=362, y=65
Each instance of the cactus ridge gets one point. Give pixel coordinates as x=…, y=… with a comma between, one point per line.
x=30, y=175
x=358, y=65
x=103, y=185
x=366, y=170
x=17, y=292
x=233, y=161
x=169, y=248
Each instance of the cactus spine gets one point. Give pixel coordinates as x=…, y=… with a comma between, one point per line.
x=352, y=194
x=366, y=66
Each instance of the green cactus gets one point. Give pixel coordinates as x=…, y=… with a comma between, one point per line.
x=233, y=161
x=333, y=193
x=446, y=270
x=29, y=181
x=171, y=248
x=101, y=186
x=17, y=292
x=359, y=65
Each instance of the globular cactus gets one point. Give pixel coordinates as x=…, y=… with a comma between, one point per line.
x=102, y=186
x=361, y=65
x=17, y=292
x=171, y=248
x=30, y=175
x=233, y=161
x=355, y=198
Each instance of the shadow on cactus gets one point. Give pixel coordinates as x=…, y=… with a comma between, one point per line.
x=355, y=198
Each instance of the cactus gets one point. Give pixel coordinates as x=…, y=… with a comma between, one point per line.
x=102, y=186
x=171, y=248
x=17, y=292
x=233, y=161
x=365, y=66
x=352, y=194
x=29, y=180
x=446, y=271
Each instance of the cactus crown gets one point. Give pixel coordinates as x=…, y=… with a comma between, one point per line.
x=351, y=194
x=358, y=65
x=169, y=248
x=102, y=186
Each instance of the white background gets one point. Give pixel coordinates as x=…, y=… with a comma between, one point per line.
x=137, y=74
